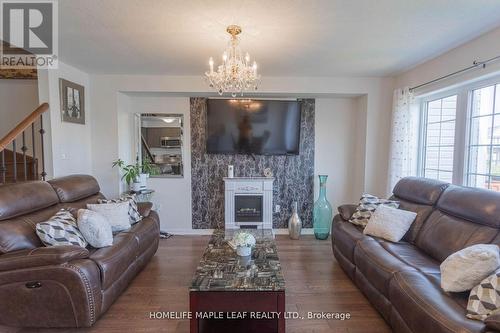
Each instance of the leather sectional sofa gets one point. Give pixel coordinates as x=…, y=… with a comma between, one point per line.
x=402, y=280
x=64, y=286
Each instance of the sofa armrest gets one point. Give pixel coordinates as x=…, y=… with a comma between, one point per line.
x=346, y=211
x=144, y=208
x=42, y=256
x=493, y=323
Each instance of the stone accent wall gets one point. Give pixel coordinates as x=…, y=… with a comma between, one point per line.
x=294, y=175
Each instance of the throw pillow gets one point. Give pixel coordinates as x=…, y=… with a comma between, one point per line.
x=367, y=205
x=464, y=269
x=115, y=213
x=59, y=230
x=133, y=212
x=484, y=299
x=95, y=228
x=389, y=223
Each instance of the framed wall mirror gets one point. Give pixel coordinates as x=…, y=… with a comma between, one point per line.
x=160, y=142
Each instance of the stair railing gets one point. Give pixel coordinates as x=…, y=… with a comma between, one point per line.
x=19, y=132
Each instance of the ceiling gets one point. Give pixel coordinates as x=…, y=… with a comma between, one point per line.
x=286, y=37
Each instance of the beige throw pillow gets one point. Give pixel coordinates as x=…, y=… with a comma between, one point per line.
x=389, y=223
x=464, y=269
x=115, y=213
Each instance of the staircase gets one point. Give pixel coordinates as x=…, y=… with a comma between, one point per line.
x=19, y=150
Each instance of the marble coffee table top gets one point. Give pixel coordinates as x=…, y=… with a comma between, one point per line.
x=221, y=269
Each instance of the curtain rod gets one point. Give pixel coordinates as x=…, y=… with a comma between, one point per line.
x=475, y=64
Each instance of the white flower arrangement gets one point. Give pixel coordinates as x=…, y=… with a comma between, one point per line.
x=244, y=239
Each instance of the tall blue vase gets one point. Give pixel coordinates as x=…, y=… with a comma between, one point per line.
x=322, y=214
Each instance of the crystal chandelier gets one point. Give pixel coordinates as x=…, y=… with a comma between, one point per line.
x=235, y=74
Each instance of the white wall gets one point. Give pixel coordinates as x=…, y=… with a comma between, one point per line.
x=484, y=47
x=68, y=145
x=172, y=196
x=18, y=99
x=339, y=148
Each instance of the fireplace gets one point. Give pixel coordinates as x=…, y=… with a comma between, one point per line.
x=248, y=208
x=248, y=202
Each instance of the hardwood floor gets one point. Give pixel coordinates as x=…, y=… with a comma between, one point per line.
x=314, y=282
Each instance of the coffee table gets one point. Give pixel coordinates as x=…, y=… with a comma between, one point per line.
x=230, y=293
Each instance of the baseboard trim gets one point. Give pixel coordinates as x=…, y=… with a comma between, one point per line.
x=284, y=231
x=202, y=232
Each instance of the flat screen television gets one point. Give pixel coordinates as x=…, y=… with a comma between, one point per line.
x=260, y=127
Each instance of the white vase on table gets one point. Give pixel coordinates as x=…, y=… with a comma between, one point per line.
x=244, y=251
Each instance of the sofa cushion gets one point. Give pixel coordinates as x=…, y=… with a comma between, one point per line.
x=419, y=190
x=422, y=211
x=23, y=198
x=413, y=256
x=19, y=233
x=82, y=203
x=345, y=236
x=464, y=217
x=477, y=205
x=377, y=264
x=114, y=260
x=443, y=234
x=425, y=307
x=74, y=187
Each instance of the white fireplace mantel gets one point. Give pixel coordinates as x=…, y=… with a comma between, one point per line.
x=259, y=186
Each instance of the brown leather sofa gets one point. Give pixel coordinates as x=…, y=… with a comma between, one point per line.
x=402, y=280
x=64, y=286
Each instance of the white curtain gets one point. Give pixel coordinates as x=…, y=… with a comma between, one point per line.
x=404, y=137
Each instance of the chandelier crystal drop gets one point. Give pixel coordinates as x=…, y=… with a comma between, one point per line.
x=236, y=74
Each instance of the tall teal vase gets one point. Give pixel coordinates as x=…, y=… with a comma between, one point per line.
x=322, y=214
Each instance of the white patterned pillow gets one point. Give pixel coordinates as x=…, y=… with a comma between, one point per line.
x=464, y=269
x=60, y=229
x=133, y=211
x=367, y=205
x=95, y=228
x=484, y=299
x=115, y=213
x=389, y=223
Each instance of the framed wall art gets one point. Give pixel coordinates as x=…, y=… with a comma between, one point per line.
x=72, y=102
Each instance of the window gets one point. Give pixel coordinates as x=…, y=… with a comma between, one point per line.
x=460, y=135
x=483, y=169
x=439, y=140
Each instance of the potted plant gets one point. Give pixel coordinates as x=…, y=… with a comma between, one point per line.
x=147, y=169
x=244, y=241
x=137, y=174
x=130, y=174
